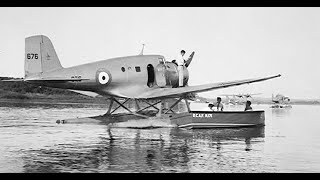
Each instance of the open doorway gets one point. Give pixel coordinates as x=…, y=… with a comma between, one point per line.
x=150, y=70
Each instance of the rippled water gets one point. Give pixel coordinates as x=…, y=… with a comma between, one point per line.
x=31, y=141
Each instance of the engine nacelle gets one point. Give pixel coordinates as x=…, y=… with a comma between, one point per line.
x=168, y=75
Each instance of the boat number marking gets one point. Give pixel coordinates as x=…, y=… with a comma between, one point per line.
x=202, y=115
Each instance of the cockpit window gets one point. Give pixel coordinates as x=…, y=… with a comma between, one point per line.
x=123, y=69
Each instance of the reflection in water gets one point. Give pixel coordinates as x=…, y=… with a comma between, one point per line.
x=280, y=112
x=209, y=150
x=248, y=144
x=142, y=150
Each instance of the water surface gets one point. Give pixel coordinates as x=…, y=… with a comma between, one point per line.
x=32, y=141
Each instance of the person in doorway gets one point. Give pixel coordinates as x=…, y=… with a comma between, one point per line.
x=248, y=106
x=218, y=106
x=180, y=61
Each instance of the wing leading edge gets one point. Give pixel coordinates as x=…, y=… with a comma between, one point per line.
x=178, y=92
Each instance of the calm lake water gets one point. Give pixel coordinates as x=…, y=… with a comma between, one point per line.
x=32, y=141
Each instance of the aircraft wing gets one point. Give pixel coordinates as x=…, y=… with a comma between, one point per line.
x=255, y=94
x=178, y=92
x=239, y=94
x=227, y=94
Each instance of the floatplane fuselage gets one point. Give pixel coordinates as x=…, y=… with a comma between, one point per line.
x=119, y=77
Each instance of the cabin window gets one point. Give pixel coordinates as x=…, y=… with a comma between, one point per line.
x=138, y=69
x=129, y=68
x=123, y=69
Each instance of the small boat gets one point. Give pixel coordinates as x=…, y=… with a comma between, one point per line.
x=218, y=119
x=281, y=106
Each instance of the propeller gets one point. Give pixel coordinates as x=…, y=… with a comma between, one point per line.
x=189, y=59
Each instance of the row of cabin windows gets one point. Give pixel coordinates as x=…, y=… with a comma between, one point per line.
x=137, y=69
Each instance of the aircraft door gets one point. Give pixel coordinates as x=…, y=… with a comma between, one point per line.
x=150, y=70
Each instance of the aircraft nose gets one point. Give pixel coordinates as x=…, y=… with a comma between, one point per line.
x=103, y=77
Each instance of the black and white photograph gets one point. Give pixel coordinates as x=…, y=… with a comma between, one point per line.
x=159, y=90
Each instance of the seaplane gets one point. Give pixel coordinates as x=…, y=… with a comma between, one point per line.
x=148, y=79
x=280, y=101
x=240, y=98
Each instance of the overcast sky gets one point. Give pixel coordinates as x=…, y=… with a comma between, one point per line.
x=229, y=43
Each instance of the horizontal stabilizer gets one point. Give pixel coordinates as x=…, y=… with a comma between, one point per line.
x=13, y=80
x=55, y=79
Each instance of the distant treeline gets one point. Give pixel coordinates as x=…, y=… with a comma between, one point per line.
x=24, y=90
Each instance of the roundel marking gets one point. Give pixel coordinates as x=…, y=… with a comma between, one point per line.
x=103, y=77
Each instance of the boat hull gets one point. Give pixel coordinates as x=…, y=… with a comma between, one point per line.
x=218, y=119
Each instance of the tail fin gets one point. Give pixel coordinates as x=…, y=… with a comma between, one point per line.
x=40, y=56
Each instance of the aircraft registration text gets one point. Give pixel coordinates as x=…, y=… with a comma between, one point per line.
x=32, y=56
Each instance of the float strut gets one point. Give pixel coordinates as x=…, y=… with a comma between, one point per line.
x=170, y=109
x=153, y=105
x=121, y=104
x=187, y=104
x=110, y=106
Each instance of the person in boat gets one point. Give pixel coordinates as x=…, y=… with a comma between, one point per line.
x=248, y=106
x=218, y=106
x=210, y=105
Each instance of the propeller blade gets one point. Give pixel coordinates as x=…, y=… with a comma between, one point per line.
x=189, y=59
